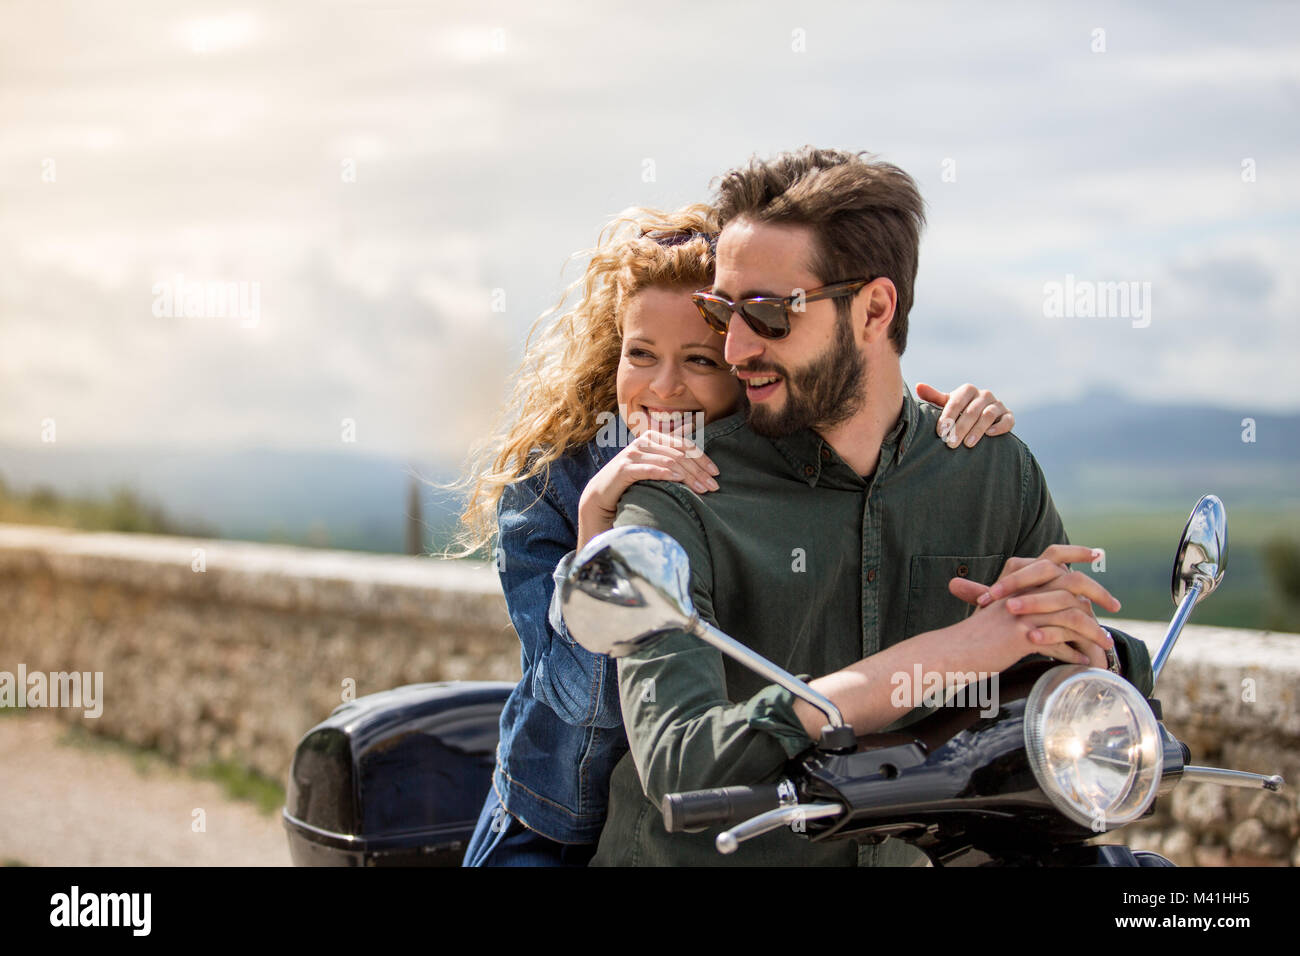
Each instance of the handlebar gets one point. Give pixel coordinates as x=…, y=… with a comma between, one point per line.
x=697, y=810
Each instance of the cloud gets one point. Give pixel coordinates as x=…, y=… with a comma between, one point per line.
x=483, y=159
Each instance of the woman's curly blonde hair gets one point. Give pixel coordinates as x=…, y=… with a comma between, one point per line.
x=567, y=376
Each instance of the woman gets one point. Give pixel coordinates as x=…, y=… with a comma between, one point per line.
x=551, y=480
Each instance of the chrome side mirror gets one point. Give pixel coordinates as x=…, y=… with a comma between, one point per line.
x=629, y=587
x=1202, y=551
x=625, y=588
x=1198, y=568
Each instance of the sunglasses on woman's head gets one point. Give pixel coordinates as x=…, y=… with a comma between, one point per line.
x=768, y=316
x=665, y=238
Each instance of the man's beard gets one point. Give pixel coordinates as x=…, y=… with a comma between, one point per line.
x=824, y=393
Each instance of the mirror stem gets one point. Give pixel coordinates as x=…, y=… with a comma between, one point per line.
x=738, y=651
x=1175, y=628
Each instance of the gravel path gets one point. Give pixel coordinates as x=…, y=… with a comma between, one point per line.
x=66, y=805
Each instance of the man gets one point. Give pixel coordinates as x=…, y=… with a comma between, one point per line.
x=845, y=538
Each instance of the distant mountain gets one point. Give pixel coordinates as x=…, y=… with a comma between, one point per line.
x=1103, y=452
x=342, y=499
x=1106, y=450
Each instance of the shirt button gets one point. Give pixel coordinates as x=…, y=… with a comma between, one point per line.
x=962, y=570
x=871, y=575
x=809, y=470
x=826, y=453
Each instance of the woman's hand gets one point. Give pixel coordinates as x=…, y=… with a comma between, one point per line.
x=969, y=413
x=1055, y=601
x=651, y=456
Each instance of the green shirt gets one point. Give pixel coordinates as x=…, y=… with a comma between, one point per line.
x=814, y=567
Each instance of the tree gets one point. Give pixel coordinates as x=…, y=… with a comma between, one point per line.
x=1282, y=558
x=414, y=519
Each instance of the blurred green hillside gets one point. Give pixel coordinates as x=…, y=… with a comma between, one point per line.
x=122, y=509
x=1260, y=589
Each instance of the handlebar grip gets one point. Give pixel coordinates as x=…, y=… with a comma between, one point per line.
x=698, y=810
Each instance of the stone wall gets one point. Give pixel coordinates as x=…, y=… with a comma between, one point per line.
x=237, y=660
x=1233, y=696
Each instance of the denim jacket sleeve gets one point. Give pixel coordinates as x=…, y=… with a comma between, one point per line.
x=536, y=535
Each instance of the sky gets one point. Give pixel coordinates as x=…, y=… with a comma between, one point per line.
x=396, y=190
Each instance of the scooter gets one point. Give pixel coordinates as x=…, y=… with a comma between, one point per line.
x=399, y=777
x=1070, y=752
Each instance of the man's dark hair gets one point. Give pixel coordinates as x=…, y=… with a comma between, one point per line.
x=866, y=216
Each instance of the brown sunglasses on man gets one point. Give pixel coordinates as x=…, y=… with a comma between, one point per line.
x=767, y=315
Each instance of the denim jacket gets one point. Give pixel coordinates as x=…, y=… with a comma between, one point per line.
x=562, y=726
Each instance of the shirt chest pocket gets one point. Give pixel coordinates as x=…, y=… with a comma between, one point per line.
x=930, y=605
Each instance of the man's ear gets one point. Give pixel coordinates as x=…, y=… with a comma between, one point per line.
x=876, y=303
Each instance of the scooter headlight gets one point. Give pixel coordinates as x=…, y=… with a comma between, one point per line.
x=1094, y=745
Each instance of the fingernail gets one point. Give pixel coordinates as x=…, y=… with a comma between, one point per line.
x=713, y=469
x=995, y=592
x=970, y=441
x=984, y=599
x=713, y=485
x=1015, y=604
x=1036, y=635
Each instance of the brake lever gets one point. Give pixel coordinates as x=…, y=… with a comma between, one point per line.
x=1234, y=778
x=728, y=840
